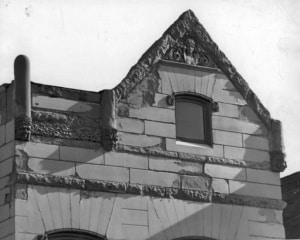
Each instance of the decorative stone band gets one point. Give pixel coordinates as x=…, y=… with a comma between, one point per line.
x=147, y=190
x=23, y=126
x=192, y=157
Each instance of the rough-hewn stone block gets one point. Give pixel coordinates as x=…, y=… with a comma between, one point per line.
x=6, y=167
x=138, y=140
x=161, y=101
x=264, y=215
x=126, y=160
x=227, y=110
x=47, y=166
x=196, y=182
x=160, y=129
x=10, y=131
x=255, y=189
x=64, y=104
x=173, y=165
x=227, y=138
x=130, y=125
x=256, y=142
x=134, y=217
x=154, y=114
x=220, y=185
x=4, y=212
x=2, y=135
x=38, y=150
x=268, y=230
x=236, y=125
x=154, y=178
x=216, y=150
x=99, y=172
x=227, y=172
x=263, y=176
x=246, y=154
x=6, y=151
x=81, y=155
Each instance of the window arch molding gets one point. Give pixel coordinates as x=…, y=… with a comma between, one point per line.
x=71, y=234
x=193, y=117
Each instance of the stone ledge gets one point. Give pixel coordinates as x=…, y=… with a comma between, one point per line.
x=157, y=152
x=148, y=190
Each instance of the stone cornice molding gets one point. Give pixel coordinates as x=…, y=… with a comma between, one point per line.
x=147, y=190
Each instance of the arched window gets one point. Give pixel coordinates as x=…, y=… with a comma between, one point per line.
x=193, y=118
x=70, y=234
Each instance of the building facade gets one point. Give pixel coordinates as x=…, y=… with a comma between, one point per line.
x=180, y=149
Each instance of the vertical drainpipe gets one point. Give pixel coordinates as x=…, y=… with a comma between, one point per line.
x=109, y=131
x=23, y=120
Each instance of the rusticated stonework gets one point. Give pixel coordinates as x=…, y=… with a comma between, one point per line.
x=66, y=125
x=148, y=190
x=23, y=128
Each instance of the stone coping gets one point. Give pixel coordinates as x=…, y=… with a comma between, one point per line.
x=146, y=190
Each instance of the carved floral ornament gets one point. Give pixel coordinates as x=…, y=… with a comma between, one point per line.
x=186, y=50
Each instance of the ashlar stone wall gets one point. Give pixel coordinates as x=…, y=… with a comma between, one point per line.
x=149, y=186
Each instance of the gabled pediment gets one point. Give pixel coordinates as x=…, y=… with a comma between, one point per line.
x=175, y=44
x=187, y=49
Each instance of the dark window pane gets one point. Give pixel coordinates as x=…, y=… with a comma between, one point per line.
x=189, y=120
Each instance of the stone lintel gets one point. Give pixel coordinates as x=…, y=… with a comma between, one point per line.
x=147, y=190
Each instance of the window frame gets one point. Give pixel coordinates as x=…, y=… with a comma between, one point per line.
x=206, y=104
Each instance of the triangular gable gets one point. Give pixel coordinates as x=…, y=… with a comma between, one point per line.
x=187, y=26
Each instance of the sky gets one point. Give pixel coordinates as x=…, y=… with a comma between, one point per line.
x=92, y=44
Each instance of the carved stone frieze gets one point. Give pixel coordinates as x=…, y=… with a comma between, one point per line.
x=147, y=190
x=67, y=125
x=188, y=51
x=23, y=128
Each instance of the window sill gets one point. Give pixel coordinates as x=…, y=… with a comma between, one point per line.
x=189, y=144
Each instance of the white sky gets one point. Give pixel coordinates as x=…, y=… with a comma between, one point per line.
x=91, y=45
